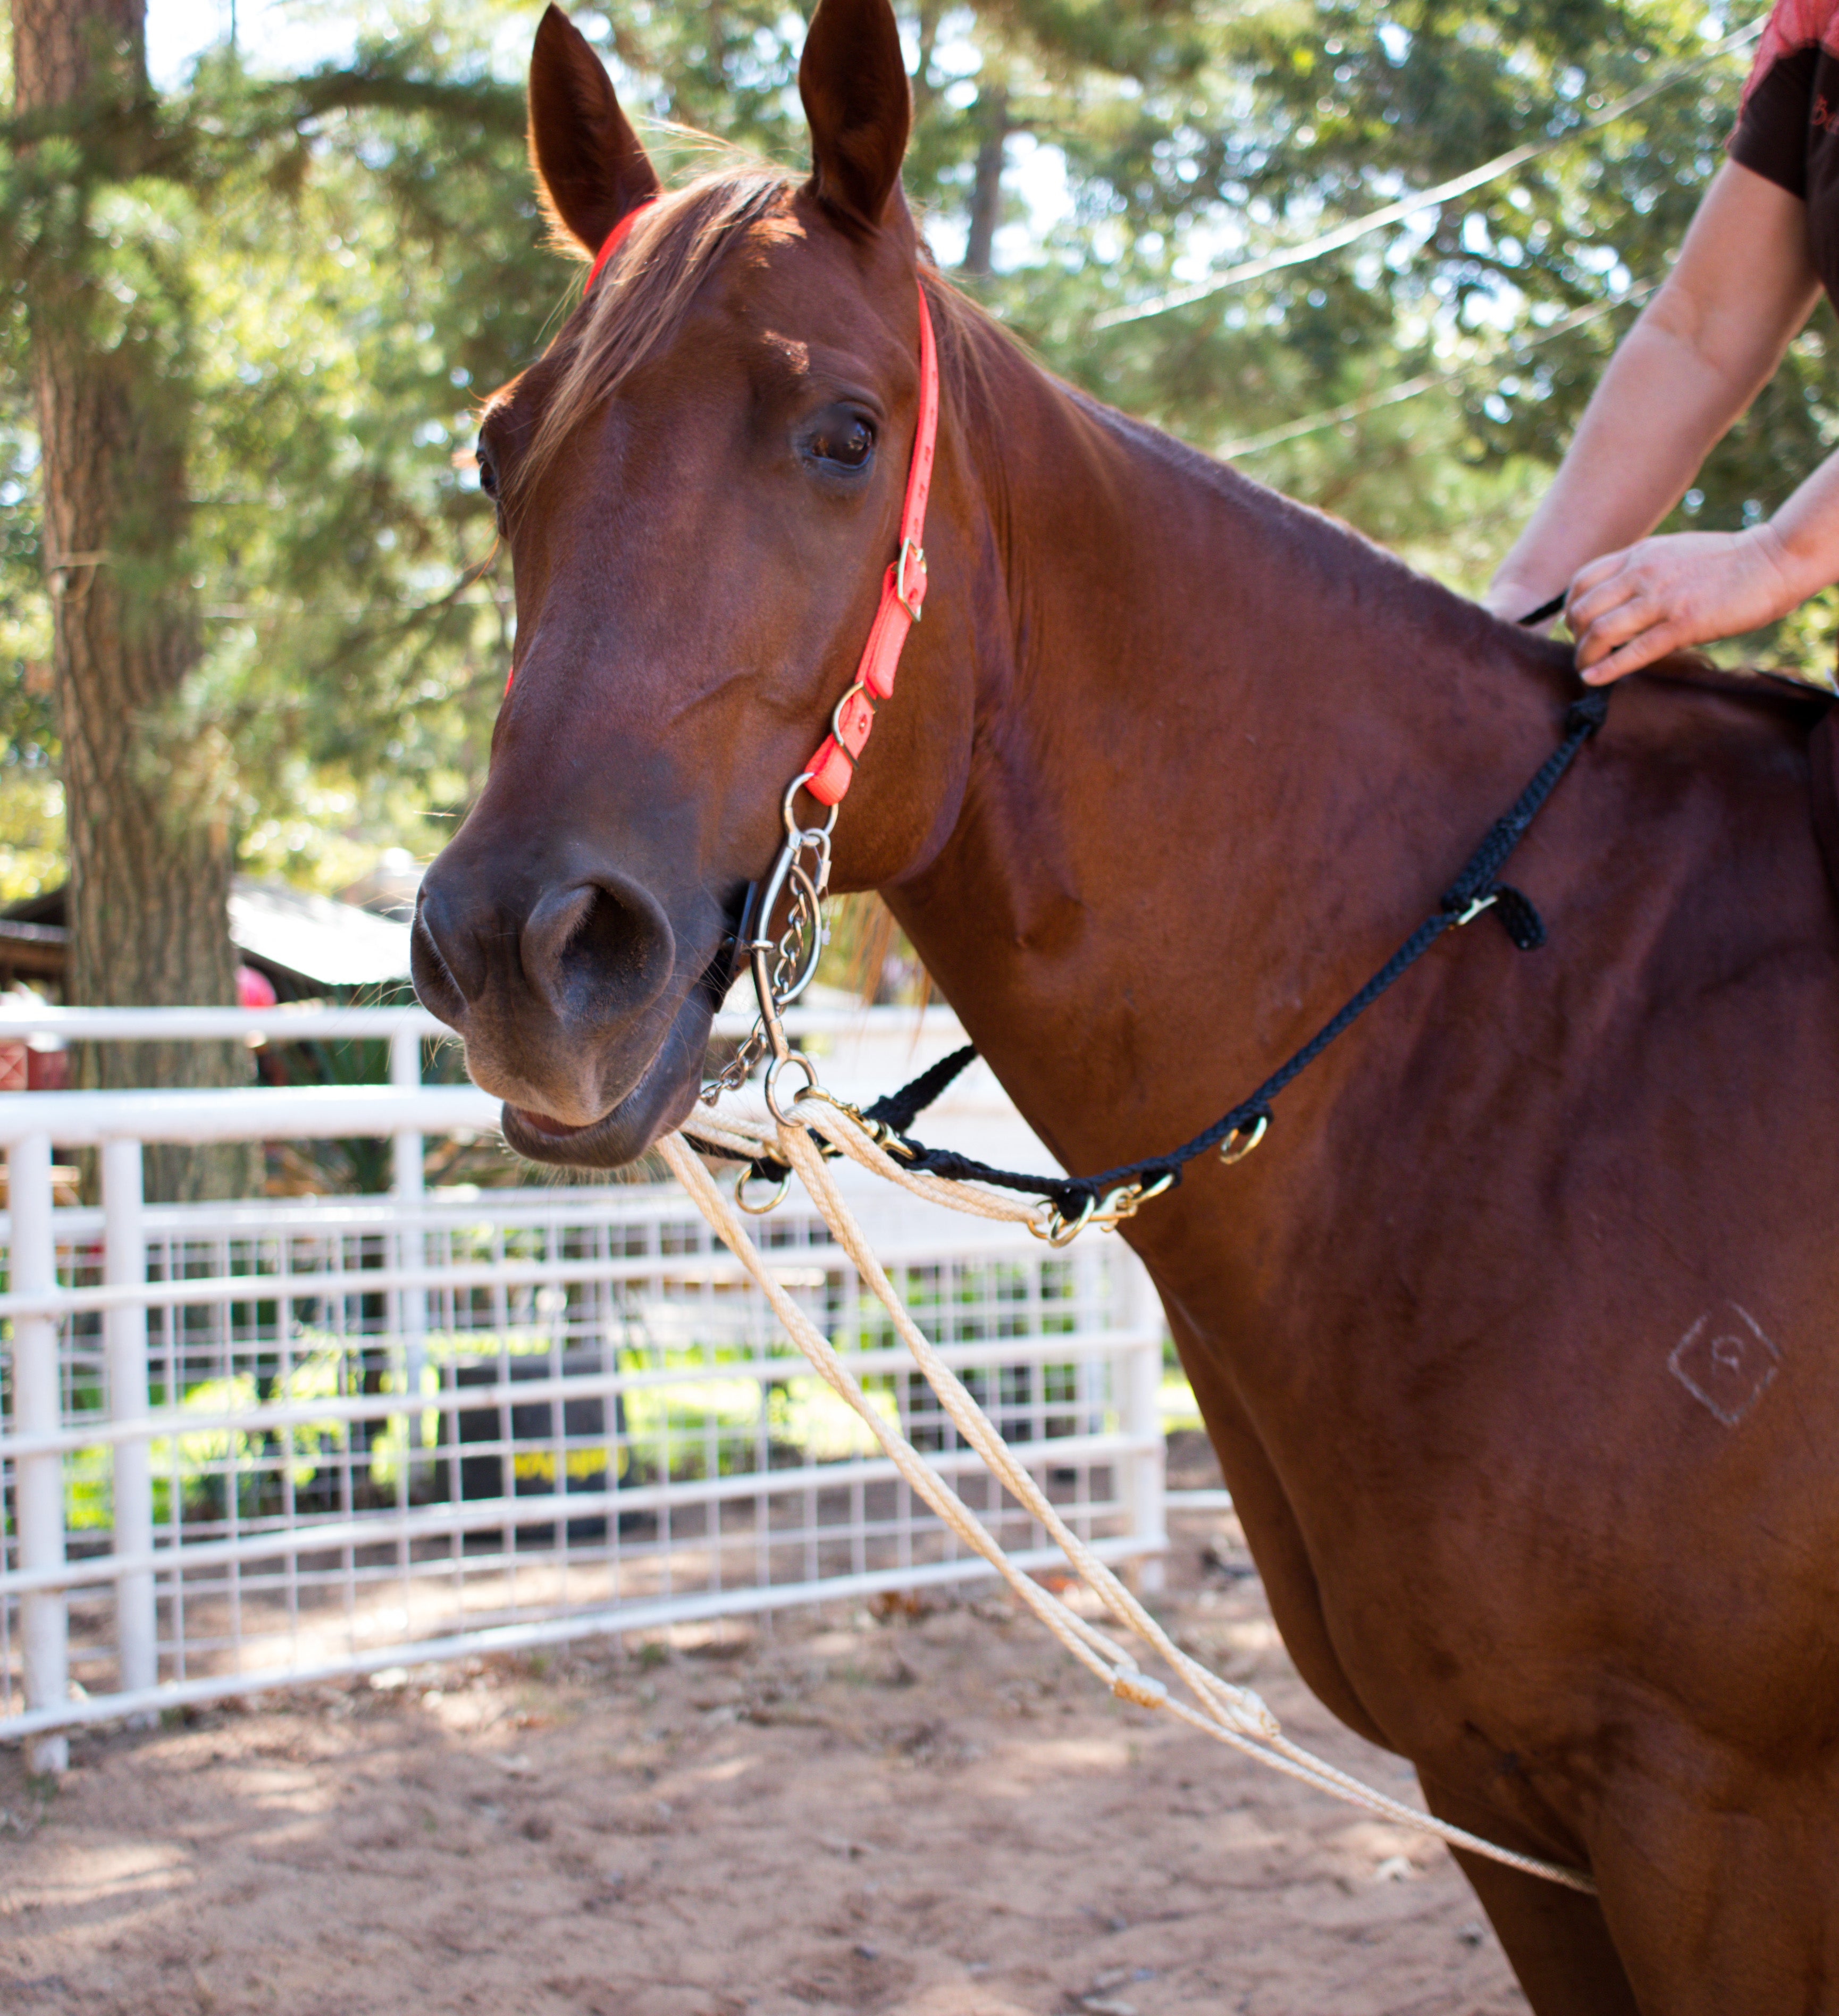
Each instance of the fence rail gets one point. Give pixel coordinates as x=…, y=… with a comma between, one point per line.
x=262, y=1442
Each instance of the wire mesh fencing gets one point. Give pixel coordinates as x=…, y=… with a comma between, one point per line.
x=310, y=1436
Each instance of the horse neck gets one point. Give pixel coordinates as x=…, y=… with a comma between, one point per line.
x=1226, y=754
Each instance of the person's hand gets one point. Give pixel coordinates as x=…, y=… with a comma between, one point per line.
x=1660, y=595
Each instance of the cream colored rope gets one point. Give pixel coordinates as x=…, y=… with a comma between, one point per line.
x=1233, y=1715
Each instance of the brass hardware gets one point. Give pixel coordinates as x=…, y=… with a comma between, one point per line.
x=772, y=1203
x=1240, y=1143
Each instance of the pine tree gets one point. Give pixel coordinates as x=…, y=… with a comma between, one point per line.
x=148, y=834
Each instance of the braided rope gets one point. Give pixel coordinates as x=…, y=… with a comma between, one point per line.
x=1231, y=1715
x=1475, y=884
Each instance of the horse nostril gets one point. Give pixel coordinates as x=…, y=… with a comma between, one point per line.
x=597, y=949
x=446, y=965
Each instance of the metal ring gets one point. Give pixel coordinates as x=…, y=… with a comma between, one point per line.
x=772, y=1203
x=771, y=1087
x=1118, y=1205
x=1238, y=1143
x=806, y=835
x=1061, y=1230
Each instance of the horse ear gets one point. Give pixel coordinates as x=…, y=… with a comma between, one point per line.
x=853, y=79
x=590, y=167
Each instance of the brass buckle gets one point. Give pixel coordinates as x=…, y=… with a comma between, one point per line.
x=856, y=686
x=909, y=549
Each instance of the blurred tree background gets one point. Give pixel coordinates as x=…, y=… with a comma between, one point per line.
x=329, y=262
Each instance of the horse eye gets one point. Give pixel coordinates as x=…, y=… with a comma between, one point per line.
x=842, y=439
x=487, y=476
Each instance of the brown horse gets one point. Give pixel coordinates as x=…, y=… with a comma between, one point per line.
x=1515, y=1338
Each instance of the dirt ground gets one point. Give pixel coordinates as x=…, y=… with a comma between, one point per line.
x=918, y=1810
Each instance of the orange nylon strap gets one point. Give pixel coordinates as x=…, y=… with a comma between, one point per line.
x=903, y=591
x=615, y=239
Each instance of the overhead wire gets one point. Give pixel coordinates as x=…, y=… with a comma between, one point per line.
x=1408, y=206
x=1428, y=381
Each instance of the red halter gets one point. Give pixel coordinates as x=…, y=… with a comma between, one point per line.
x=903, y=590
x=615, y=239
x=903, y=587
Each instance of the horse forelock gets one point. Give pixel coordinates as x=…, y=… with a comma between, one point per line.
x=640, y=301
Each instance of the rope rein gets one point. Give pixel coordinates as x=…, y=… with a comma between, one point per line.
x=1232, y=1715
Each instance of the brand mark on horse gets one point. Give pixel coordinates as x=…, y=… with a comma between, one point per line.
x=1726, y=1362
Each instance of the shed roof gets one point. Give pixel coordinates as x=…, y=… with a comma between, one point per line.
x=334, y=944
x=282, y=929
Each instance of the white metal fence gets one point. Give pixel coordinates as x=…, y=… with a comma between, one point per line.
x=251, y=1443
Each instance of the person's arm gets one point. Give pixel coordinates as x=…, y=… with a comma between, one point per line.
x=1629, y=608
x=1711, y=337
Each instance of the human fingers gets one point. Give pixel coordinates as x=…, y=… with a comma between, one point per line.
x=1679, y=590
x=1602, y=587
x=1625, y=611
x=1624, y=623
x=1649, y=640
x=1594, y=572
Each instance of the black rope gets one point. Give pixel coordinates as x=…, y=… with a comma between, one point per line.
x=897, y=1111
x=1476, y=888
x=1477, y=883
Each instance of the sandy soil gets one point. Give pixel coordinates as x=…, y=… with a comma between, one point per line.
x=920, y=1811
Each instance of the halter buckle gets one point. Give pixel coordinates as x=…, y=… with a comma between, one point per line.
x=910, y=598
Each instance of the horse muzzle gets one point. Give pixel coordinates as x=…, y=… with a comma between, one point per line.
x=577, y=1005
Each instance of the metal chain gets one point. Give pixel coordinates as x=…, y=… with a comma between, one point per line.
x=794, y=954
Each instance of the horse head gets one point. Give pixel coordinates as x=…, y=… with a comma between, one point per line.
x=701, y=485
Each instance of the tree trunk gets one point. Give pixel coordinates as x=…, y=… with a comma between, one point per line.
x=986, y=190
x=145, y=793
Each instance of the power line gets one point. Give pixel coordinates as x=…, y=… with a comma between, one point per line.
x=1394, y=212
x=1411, y=388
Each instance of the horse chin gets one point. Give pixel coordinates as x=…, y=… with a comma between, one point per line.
x=662, y=1099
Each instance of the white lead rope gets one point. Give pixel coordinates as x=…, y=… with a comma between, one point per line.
x=1233, y=1715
